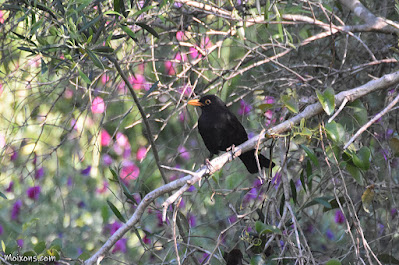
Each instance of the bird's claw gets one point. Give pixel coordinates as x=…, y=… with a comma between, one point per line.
x=231, y=149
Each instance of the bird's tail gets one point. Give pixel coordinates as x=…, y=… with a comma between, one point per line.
x=249, y=161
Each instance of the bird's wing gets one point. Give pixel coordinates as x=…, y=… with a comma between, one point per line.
x=235, y=131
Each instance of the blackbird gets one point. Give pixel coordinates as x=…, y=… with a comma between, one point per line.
x=220, y=129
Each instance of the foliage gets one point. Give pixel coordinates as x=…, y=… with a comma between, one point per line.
x=75, y=152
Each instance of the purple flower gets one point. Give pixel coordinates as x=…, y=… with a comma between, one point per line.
x=107, y=159
x=183, y=152
x=394, y=212
x=14, y=155
x=86, y=171
x=39, y=173
x=339, y=217
x=204, y=258
x=329, y=234
x=232, y=218
x=251, y=195
x=10, y=187
x=245, y=108
x=20, y=242
x=69, y=181
x=120, y=246
x=114, y=227
x=81, y=204
x=381, y=229
x=192, y=220
x=276, y=179
x=1, y=230
x=33, y=192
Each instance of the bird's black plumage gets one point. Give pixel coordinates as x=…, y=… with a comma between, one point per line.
x=220, y=129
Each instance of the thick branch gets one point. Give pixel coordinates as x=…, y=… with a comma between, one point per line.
x=217, y=163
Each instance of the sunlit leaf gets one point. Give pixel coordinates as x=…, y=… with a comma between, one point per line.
x=310, y=154
x=96, y=61
x=129, y=32
x=84, y=77
x=367, y=198
x=39, y=247
x=327, y=100
x=394, y=144
x=333, y=262
x=290, y=103
x=335, y=131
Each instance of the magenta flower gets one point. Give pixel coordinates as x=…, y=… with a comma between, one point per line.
x=122, y=140
x=138, y=82
x=98, y=106
x=39, y=173
x=16, y=209
x=182, y=116
x=86, y=171
x=146, y=240
x=33, y=192
x=1, y=230
x=141, y=153
x=114, y=227
x=122, y=87
x=1, y=86
x=10, y=187
x=269, y=100
x=245, y=108
x=183, y=152
x=339, y=217
x=105, y=138
x=206, y=43
x=129, y=171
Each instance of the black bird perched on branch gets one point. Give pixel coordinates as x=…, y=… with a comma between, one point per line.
x=220, y=129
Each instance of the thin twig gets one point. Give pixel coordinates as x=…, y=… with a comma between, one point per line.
x=373, y=120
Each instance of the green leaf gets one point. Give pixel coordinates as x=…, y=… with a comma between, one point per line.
x=267, y=12
x=127, y=192
x=84, y=77
x=262, y=228
x=334, y=204
x=148, y=28
x=91, y=23
x=333, y=262
x=39, y=247
x=290, y=103
x=116, y=212
x=362, y=158
x=320, y=200
x=335, y=131
x=56, y=244
x=387, y=259
x=257, y=260
x=302, y=178
x=310, y=154
x=95, y=59
x=129, y=32
x=145, y=9
x=3, y=196
x=327, y=100
x=103, y=49
x=110, y=12
x=394, y=144
x=293, y=191
x=3, y=246
x=359, y=112
x=355, y=172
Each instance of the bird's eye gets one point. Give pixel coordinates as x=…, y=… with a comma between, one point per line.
x=208, y=101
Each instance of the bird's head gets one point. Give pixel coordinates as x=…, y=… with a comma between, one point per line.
x=208, y=102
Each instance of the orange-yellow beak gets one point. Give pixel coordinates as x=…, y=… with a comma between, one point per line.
x=195, y=102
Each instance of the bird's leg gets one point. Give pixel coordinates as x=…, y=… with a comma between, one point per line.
x=231, y=149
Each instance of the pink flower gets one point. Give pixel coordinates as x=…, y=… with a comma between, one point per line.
x=141, y=153
x=181, y=57
x=206, y=43
x=129, y=171
x=180, y=35
x=39, y=173
x=182, y=116
x=1, y=89
x=269, y=100
x=104, y=79
x=33, y=192
x=146, y=240
x=98, y=106
x=1, y=17
x=138, y=82
x=122, y=87
x=68, y=93
x=104, y=187
x=193, y=52
x=183, y=152
x=186, y=90
x=170, y=68
x=105, y=138
x=122, y=140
